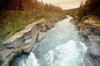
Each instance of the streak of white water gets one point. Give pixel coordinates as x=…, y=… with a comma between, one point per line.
x=32, y=60
x=67, y=54
x=61, y=47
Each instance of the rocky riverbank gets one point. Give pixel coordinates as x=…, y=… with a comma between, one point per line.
x=24, y=40
x=92, y=41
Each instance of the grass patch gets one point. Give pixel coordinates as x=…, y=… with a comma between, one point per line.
x=98, y=23
x=96, y=18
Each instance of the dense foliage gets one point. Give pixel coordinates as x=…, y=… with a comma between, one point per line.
x=91, y=7
x=72, y=12
x=23, y=5
x=16, y=14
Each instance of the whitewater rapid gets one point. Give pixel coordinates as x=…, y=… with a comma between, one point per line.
x=61, y=47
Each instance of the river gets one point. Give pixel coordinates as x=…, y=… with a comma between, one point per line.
x=61, y=47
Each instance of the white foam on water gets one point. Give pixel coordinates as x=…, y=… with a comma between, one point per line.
x=32, y=61
x=23, y=64
x=83, y=45
x=50, y=57
x=67, y=55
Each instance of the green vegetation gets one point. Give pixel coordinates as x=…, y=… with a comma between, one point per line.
x=89, y=9
x=72, y=12
x=16, y=14
x=87, y=13
x=95, y=18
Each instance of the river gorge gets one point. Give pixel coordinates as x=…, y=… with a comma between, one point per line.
x=61, y=47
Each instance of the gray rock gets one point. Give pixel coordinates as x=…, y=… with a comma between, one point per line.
x=28, y=41
x=94, y=39
x=29, y=47
x=87, y=43
x=88, y=29
x=39, y=27
x=6, y=54
x=42, y=27
x=50, y=24
x=28, y=35
x=41, y=36
x=85, y=31
x=98, y=59
x=16, y=43
x=9, y=55
x=89, y=61
x=94, y=50
x=6, y=63
x=43, y=24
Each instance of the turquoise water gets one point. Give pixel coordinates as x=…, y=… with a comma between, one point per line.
x=61, y=47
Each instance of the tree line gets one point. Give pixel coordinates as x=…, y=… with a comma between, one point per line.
x=91, y=7
x=16, y=14
x=27, y=4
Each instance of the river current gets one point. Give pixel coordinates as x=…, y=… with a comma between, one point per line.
x=61, y=47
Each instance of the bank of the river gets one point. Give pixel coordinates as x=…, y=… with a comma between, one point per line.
x=92, y=41
x=23, y=41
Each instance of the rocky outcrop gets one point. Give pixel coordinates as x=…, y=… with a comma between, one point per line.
x=24, y=40
x=92, y=41
x=93, y=52
x=87, y=29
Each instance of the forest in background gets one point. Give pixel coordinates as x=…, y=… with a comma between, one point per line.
x=89, y=9
x=16, y=14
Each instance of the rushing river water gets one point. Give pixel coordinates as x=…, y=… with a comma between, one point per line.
x=61, y=47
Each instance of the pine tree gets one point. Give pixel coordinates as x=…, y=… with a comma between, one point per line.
x=80, y=13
